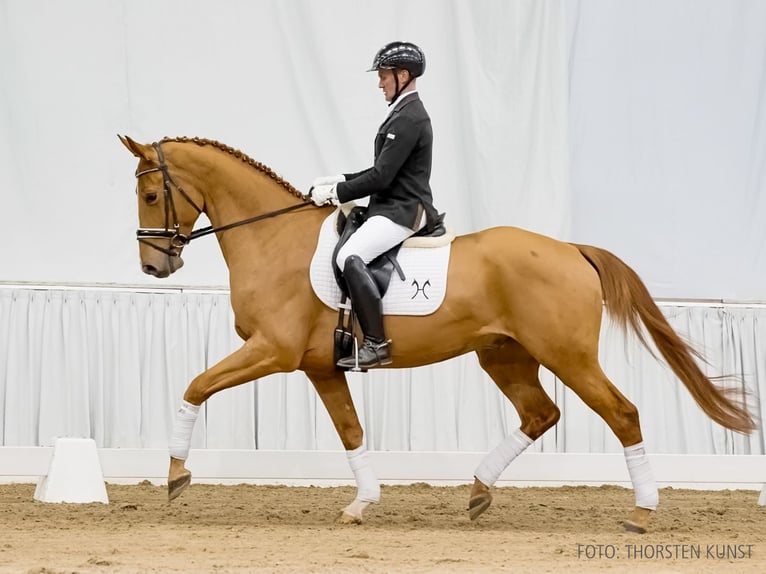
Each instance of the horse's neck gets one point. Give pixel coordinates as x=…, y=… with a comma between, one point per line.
x=236, y=191
x=267, y=251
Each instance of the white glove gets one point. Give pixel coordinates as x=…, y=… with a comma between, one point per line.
x=328, y=180
x=323, y=194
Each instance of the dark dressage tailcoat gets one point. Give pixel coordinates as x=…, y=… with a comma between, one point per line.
x=398, y=182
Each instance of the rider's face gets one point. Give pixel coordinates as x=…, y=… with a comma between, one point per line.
x=387, y=82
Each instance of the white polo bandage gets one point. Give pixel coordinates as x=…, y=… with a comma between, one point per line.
x=642, y=477
x=183, y=425
x=367, y=486
x=498, y=460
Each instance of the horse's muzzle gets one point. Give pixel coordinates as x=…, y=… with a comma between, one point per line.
x=172, y=265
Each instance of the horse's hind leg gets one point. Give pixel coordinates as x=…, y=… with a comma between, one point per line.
x=334, y=392
x=589, y=382
x=515, y=372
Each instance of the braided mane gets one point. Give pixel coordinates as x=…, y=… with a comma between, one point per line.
x=263, y=168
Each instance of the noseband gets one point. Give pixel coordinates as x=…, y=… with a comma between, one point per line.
x=172, y=231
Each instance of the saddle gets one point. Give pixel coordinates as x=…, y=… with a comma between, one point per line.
x=381, y=268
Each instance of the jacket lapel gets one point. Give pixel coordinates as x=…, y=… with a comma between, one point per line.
x=380, y=138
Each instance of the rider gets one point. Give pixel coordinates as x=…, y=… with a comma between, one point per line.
x=397, y=184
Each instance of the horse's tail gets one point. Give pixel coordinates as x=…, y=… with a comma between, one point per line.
x=629, y=303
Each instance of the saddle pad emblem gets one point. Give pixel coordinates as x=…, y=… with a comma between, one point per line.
x=421, y=292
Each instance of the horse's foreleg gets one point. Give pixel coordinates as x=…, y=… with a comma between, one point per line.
x=334, y=392
x=240, y=367
x=515, y=372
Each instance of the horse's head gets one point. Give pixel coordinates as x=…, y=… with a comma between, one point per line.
x=166, y=211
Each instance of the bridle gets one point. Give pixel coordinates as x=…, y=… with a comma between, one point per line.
x=172, y=230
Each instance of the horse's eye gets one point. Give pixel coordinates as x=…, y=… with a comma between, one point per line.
x=151, y=198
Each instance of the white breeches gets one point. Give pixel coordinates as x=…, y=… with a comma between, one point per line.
x=375, y=236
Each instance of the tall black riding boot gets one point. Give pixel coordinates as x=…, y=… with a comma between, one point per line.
x=365, y=297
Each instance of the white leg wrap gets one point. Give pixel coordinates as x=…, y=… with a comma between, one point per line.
x=498, y=460
x=183, y=426
x=642, y=477
x=367, y=486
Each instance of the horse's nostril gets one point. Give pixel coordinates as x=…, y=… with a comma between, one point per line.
x=149, y=269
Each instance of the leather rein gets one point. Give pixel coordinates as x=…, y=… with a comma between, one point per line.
x=177, y=239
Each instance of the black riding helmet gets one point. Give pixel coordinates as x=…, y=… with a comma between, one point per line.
x=400, y=56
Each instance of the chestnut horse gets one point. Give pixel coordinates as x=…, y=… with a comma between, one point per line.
x=517, y=299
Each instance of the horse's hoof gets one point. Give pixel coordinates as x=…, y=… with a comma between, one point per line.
x=638, y=521
x=178, y=485
x=633, y=527
x=478, y=504
x=346, y=518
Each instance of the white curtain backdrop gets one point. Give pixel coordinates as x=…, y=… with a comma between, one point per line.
x=639, y=126
x=667, y=112
x=113, y=366
x=284, y=81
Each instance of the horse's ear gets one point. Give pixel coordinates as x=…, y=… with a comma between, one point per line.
x=137, y=149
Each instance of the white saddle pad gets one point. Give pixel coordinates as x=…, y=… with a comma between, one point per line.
x=421, y=292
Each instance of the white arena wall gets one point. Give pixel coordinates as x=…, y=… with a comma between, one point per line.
x=330, y=468
x=636, y=126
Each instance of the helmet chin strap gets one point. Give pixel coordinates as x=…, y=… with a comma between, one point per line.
x=399, y=90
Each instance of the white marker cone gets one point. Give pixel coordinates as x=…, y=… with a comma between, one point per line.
x=74, y=474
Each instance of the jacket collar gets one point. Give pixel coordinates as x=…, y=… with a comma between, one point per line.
x=402, y=101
